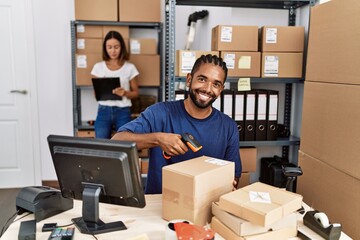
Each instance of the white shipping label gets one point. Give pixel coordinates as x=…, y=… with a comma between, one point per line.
x=218, y=162
x=229, y=59
x=271, y=66
x=187, y=61
x=80, y=28
x=260, y=197
x=81, y=61
x=135, y=46
x=81, y=43
x=271, y=35
x=226, y=34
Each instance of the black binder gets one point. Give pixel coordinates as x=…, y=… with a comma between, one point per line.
x=103, y=88
x=272, y=115
x=180, y=94
x=249, y=132
x=227, y=102
x=260, y=115
x=239, y=112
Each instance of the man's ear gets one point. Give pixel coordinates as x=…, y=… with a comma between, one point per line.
x=188, y=79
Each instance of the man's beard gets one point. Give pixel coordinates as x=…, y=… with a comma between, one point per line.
x=198, y=103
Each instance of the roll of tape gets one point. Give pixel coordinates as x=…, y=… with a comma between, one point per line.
x=170, y=233
x=322, y=218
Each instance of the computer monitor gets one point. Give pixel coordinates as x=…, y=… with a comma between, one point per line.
x=97, y=170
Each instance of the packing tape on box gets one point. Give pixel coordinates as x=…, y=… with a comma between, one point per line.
x=322, y=218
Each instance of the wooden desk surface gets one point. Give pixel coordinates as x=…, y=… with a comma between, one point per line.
x=139, y=221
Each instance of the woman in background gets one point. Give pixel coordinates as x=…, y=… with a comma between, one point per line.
x=115, y=113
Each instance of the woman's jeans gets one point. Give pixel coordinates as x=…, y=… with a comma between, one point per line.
x=109, y=118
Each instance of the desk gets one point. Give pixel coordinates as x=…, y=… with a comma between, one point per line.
x=138, y=221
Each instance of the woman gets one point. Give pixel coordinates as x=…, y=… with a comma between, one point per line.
x=115, y=113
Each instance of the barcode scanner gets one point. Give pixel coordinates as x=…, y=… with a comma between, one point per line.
x=190, y=141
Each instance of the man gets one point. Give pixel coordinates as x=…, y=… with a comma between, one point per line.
x=160, y=126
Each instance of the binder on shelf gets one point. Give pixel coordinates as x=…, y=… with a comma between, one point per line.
x=272, y=115
x=249, y=132
x=180, y=94
x=227, y=102
x=260, y=115
x=217, y=103
x=239, y=112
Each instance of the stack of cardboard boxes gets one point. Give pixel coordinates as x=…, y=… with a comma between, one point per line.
x=257, y=211
x=329, y=154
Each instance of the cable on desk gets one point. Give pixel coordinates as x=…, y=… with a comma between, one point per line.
x=8, y=222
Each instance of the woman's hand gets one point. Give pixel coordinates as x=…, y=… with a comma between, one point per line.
x=119, y=91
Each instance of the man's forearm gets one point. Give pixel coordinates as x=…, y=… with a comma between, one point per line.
x=143, y=140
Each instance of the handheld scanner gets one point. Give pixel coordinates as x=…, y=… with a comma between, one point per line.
x=190, y=141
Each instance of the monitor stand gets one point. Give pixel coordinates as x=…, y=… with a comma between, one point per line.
x=90, y=222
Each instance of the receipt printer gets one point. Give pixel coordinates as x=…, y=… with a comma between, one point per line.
x=43, y=201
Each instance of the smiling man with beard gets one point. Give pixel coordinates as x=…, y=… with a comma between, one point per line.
x=160, y=126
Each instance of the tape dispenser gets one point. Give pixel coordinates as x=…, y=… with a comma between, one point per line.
x=319, y=223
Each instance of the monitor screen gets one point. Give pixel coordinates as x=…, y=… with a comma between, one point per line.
x=97, y=170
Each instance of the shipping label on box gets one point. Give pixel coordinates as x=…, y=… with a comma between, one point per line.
x=189, y=188
x=260, y=203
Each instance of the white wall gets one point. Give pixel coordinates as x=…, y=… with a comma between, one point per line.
x=53, y=72
x=53, y=61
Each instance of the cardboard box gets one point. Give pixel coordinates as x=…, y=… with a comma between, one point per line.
x=96, y=10
x=241, y=227
x=123, y=30
x=84, y=65
x=143, y=46
x=282, y=38
x=260, y=203
x=248, y=159
x=225, y=232
x=244, y=180
x=89, y=31
x=89, y=45
x=334, y=43
x=86, y=133
x=235, y=38
x=148, y=67
x=330, y=125
x=139, y=11
x=185, y=60
x=282, y=65
x=331, y=191
x=243, y=64
x=191, y=186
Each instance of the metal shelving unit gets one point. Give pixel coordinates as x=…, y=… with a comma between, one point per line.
x=171, y=79
x=77, y=120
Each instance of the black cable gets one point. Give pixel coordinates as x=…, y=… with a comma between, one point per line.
x=23, y=217
x=8, y=222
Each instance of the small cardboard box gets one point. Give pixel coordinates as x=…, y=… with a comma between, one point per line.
x=282, y=38
x=89, y=45
x=235, y=38
x=248, y=159
x=260, y=203
x=243, y=228
x=84, y=65
x=139, y=10
x=191, y=186
x=89, y=31
x=96, y=10
x=243, y=64
x=282, y=65
x=225, y=232
x=148, y=67
x=185, y=60
x=143, y=46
